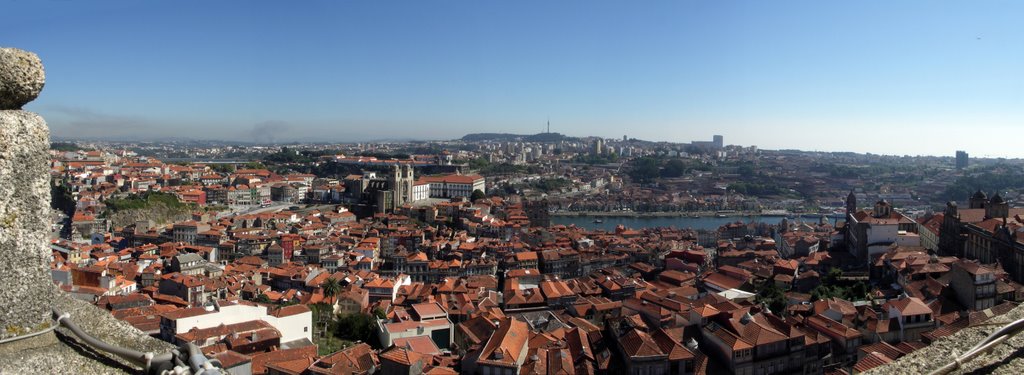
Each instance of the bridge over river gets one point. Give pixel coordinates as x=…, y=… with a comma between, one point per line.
x=207, y=161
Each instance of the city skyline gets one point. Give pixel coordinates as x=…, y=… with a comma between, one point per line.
x=631, y=231
x=780, y=76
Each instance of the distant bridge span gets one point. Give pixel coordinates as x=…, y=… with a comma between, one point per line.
x=207, y=161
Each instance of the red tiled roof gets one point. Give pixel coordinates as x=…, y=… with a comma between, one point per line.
x=506, y=344
x=831, y=327
x=409, y=325
x=675, y=350
x=883, y=348
x=290, y=310
x=730, y=339
x=260, y=361
x=440, y=370
x=428, y=310
x=231, y=358
x=870, y=361
x=292, y=366
x=401, y=356
x=185, y=313
x=910, y=306
x=359, y=358
x=723, y=281
x=418, y=344
x=224, y=330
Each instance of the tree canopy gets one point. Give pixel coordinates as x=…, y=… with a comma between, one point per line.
x=772, y=296
x=67, y=146
x=144, y=201
x=331, y=287
x=996, y=180
x=834, y=286
x=357, y=327
x=477, y=194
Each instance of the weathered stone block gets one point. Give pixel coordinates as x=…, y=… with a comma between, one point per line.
x=26, y=289
x=21, y=77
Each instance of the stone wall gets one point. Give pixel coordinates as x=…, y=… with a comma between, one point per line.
x=1007, y=358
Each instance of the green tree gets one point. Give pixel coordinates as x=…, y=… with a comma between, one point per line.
x=745, y=170
x=331, y=287
x=144, y=200
x=551, y=184
x=478, y=163
x=325, y=335
x=287, y=155
x=834, y=286
x=506, y=169
x=222, y=168
x=262, y=298
x=645, y=169
x=67, y=146
x=771, y=295
x=254, y=165
x=674, y=168
x=353, y=327
x=477, y=194
x=833, y=276
x=996, y=179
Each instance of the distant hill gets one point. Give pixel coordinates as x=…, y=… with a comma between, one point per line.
x=505, y=137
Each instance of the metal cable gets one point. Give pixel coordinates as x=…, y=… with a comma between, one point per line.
x=199, y=363
x=185, y=359
x=993, y=340
x=145, y=360
x=33, y=334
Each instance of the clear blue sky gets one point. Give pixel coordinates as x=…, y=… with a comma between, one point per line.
x=907, y=77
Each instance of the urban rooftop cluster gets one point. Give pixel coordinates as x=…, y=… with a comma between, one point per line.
x=446, y=257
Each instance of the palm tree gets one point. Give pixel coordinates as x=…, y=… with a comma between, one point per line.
x=331, y=287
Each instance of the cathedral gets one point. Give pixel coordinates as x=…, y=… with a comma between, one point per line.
x=401, y=182
x=384, y=192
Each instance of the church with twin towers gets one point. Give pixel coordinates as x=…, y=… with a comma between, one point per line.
x=400, y=183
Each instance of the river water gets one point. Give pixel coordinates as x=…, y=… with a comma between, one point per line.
x=681, y=222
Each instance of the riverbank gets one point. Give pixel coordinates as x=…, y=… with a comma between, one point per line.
x=651, y=214
x=609, y=223
x=634, y=214
x=707, y=222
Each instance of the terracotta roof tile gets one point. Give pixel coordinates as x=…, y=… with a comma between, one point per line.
x=506, y=343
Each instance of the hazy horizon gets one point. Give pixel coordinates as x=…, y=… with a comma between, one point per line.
x=914, y=78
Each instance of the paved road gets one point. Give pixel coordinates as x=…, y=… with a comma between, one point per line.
x=276, y=206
